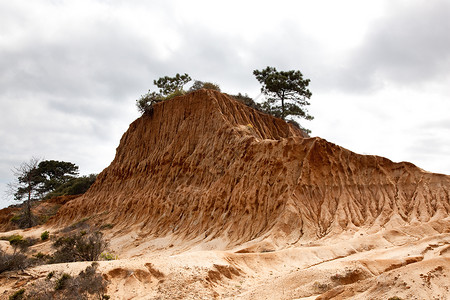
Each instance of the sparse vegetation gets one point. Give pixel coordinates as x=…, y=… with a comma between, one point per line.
x=17, y=295
x=61, y=282
x=198, y=85
x=17, y=260
x=108, y=256
x=41, y=256
x=287, y=87
x=12, y=237
x=21, y=244
x=74, y=186
x=88, y=284
x=23, y=219
x=79, y=247
x=50, y=275
x=45, y=235
x=247, y=101
x=106, y=226
x=12, y=262
x=147, y=101
x=169, y=87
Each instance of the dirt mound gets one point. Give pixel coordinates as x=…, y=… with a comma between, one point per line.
x=206, y=166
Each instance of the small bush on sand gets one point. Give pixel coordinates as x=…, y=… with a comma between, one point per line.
x=108, y=256
x=88, y=284
x=11, y=262
x=61, y=282
x=17, y=295
x=79, y=247
x=45, y=235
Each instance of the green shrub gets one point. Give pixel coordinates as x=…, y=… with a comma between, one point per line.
x=15, y=239
x=174, y=94
x=73, y=186
x=19, y=243
x=61, y=282
x=45, y=235
x=40, y=255
x=146, y=102
x=79, y=247
x=106, y=226
x=108, y=256
x=204, y=85
x=17, y=295
x=50, y=275
x=85, y=285
x=15, y=219
x=24, y=219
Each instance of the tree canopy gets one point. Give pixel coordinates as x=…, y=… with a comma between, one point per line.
x=74, y=186
x=55, y=173
x=286, y=91
x=36, y=179
x=169, y=87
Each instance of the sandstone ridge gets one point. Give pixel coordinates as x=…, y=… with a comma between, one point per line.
x=204, y=165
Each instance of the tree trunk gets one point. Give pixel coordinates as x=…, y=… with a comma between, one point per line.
x=28, y=218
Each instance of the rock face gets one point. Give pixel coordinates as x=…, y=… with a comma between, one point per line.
x=206, y=165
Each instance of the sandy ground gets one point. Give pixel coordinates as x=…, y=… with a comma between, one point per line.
x=408, y=262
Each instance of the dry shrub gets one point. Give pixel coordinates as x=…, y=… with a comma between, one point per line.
x=17, y=260
x=12, y=262
x=80, y=246
x=87, y=284
x=17, y=295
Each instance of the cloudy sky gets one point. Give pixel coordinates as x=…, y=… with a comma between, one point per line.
x=70, y=71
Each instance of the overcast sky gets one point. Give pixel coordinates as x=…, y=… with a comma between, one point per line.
x=70, y=71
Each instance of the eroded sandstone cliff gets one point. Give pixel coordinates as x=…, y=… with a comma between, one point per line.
x=206, y=165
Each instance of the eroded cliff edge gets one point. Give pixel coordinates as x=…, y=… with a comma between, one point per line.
x=206, y=165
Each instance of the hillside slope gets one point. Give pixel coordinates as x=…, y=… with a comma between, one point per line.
x=205, y=165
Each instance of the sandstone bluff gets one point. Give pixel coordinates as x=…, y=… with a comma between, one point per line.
x=206, y=165
x=210, y=199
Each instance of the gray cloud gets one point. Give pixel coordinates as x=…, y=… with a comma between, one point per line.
x=409, y=46
x=103, y=62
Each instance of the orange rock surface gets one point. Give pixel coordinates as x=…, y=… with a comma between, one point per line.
x=206, y=165
x=210, y=199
